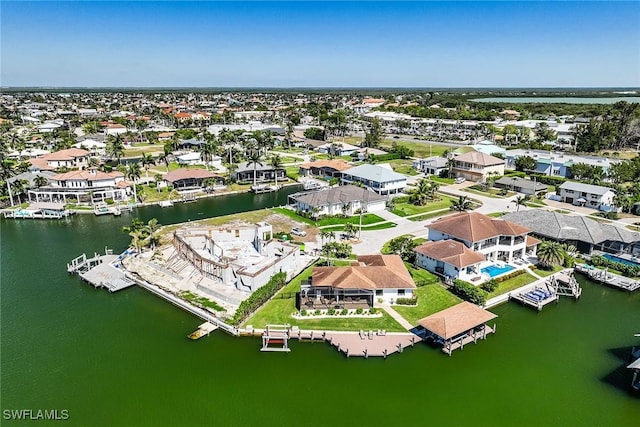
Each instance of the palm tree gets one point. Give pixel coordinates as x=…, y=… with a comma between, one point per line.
x=461, y=205
x=146, y=161
x=157, y=178
x=345, y=208
x=520, y=201
x=40, y=181
x=550, y=253
x=326, y=235
x=450, y=165
x=421, y=193
x=350, y=229
x=136, y=231
x=276, y=162
x=254, y=158
x=150, y=230
x=115, y=147
x=17, y=187
x=132, y=172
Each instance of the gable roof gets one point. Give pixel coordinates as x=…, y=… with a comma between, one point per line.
x=336, y=164
x=451, y=252
x=587, y=188
x=87, y=175
x=68, y=154
x=478, y=158
x=338, y=195
x=456, y=320
x=567, y=227
x=521, y=183
x=370, y=272
x=474, y=227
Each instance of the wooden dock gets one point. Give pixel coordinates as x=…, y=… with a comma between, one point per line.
x=203, y=330
x=361, y=344
x=537, y=297
x=604, y=277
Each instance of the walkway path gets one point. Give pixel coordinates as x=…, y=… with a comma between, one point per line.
x=397, y=317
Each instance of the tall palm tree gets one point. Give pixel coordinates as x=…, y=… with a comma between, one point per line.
x=433, y=190
x=350, y=229
x=150, y=230
x=461, y=205
x=550, y=253
x=276, y=162
x=450, y=165
x=115, y=147
x=132, y=172
x=520, y=201
x=146, y=161
x=326, y=235
x=40, y=181
x=420, y=195
x=254, y=158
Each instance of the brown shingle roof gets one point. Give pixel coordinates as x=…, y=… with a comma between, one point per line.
x=337, y=164
x=456, y=320
x=532, y=241
x=184, y=173
x=450, y=251
x=478, y=158
x=371, y=272
x=474, y=227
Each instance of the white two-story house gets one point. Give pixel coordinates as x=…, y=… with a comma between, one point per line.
x=82, y=186
x=380, y=179
x=591, y=196
x=474, y=241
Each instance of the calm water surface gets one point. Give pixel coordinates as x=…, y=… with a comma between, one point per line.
x=124, y=359
x=560, y=100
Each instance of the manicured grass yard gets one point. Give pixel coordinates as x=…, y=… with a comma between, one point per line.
x=382, y=226
x=278, y=311
x=431, y=299
x=292, y=172
x=421, y=276
x=402, y=166
x=367, y=219
x=446, y=181
x=511, y=284
x=407, y=208
x=420, y=149
x=545, y=273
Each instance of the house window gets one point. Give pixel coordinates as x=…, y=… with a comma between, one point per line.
x=378, y=292
x=400, y=292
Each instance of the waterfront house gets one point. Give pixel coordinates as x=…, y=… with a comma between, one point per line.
x=590, y=196
x=521, y=185
x=557, y=164
x=71, y=158
x=324, y=169
x=580, y=231
x=450, y=258
x=341, y=200
x=431, y=165
x=372, y=278
x=264, y=172
x=191, y=179
x=477, y=166
x=378, y=178
x=79, y=186
x=488, y=242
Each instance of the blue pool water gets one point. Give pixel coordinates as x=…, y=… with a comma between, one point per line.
x=620, y=260
x=493, y=270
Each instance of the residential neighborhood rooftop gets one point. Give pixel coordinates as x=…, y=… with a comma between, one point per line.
x=456, y=320
x=450, y=251
x=474, y=226
x=369, y=272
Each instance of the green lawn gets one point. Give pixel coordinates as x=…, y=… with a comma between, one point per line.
x=292, y=172
x=382, y=226
x=511, y=284
x=432, y=215
x=367, y=219
x=545, y=273
x=495, y=214
x=431, y=299
x=407, y=208
x=490, y=192
x=404, y=166
x=151, y=194
x=421, y=276
x=278, y=311
x=420, y=149
x=446, y=181
x=385, y=248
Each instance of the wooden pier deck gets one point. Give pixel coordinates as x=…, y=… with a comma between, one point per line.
x=203, y=330
x=607, y=278
x=538, y=297
x=361, y=344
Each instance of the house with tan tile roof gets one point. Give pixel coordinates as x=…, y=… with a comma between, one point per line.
x=83, y=186
x=467, y=244
x=371, y=278
x=324, y=168
x=477, y=166
x=69, y=158
x=190, y=179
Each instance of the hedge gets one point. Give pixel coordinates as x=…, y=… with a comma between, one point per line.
x=468, y=292
x=259, y=297
x=508, y=276
x=407, y=301
x=385, y=157
x=550, y=180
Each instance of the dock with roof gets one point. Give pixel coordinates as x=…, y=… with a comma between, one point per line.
x=457, y=326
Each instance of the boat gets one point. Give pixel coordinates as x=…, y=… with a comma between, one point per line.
x=311, y=185
x=102, y=208
x=165, y=204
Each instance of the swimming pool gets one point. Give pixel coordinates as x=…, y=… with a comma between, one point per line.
x=620, y=260
x=493, y=270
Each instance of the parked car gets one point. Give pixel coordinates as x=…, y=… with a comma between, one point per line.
x=459, y=180
x=298, y=232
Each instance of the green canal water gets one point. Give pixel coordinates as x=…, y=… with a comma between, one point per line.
x=124, y=359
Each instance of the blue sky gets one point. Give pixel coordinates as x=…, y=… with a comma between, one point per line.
x=324, y=44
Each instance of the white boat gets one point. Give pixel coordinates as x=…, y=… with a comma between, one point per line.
x=165, y=204
x=263, y=188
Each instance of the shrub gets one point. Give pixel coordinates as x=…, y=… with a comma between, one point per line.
x=259, y=297
x=468, y=292
x=344, y=312
x=303, y=312
x=358, y=311
x=407, y=301
x=372, y=310
x=490, y=285
x=625, y=269
x=509, y=275
x=568, y=261
x=317, y=312
x=331, y=312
